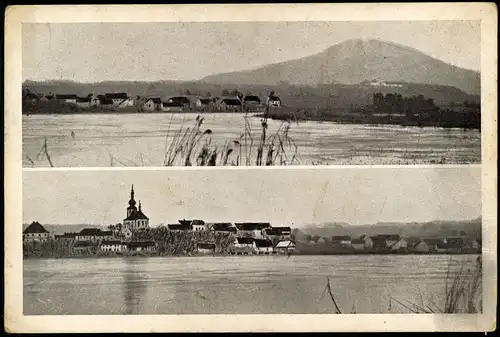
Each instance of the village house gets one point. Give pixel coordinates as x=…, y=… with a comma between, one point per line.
x=96, y=100
x=252, y=229
x=244, y=245
x=203, y=104
x=93, y=235
x=83, y=102
x=341, y=241
x=263, y=246
x=411, y=241
x=198, y=225
x=251, y=103
x=180, y=227
x=282, y=233
x=36, y=232
x=385, y=241
x=205, y=248
x=428, y=245
x=402, y=244
x=48, y=98
x=103, y=102
x=285, y=247
x=195, y=225
x=358, y=244
x=66, y=237
x=182, y=100
x=135, y=219
x=172, y=107
x=273, y=101
x=364, y=242
x=120, y=99
x=83, y=248
x=230, y=104
x=223, y=227
x=152, y=104
x=141, y=246
x=321, y=241
x=113, y=246
x=67, y=98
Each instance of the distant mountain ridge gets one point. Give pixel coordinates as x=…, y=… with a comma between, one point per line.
x=432, y=228
x=354, y=61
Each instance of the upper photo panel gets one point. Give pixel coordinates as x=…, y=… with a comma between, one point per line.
x=251, y=93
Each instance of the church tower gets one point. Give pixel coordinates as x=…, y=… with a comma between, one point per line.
x=131, y=209
x=135, y=219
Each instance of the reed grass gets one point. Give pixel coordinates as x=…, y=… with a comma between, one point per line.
x=195, y=143
x=463, y=294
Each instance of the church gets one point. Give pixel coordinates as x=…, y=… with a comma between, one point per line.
x=135, y=219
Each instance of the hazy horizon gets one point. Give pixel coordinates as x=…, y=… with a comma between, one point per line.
x=305, y=226
x=282, y=197
x=87, y=52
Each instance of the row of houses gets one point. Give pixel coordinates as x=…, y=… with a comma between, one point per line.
x=256, y=230
x=394, y=242
x=92, y=240
x=113, y=246
x=150, y=104
x=241, y=246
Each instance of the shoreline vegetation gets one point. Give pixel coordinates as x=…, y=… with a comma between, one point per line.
x=296, y=253
x=176, y=244
x=388, y=109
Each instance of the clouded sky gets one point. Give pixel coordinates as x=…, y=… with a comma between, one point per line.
x=91, y=52
x=281, y=196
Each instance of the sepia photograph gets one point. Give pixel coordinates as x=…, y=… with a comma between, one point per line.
x=276, y=242
x=251, y=93
x=250, y=168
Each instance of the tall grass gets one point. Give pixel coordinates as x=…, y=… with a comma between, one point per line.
x=462, y=294
x=193, y=146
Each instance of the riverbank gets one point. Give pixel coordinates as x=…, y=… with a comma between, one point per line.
x=467, y=120
x=284, y=255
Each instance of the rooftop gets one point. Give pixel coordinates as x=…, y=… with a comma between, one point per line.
x=285, y=244
x=245, y=241
x=35, y=227
x=252, y=225
x=90, y=231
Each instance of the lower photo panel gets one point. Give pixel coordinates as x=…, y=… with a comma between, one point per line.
x=252, y=241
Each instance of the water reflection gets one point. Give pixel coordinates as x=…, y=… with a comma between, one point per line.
x=135, y=286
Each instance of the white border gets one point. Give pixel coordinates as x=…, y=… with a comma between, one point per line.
x=15, y=15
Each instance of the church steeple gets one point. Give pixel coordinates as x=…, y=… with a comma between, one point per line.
x=131, y=208
x=131, y=202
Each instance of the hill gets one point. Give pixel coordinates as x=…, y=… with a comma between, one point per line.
x=354, y=61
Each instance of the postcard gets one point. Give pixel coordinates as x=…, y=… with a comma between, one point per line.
x=270, y=167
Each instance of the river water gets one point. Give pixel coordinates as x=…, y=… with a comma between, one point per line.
x=236, y=284
x=104, y=140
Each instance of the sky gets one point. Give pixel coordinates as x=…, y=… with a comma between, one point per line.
x=281, y=196
x=93, y=52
